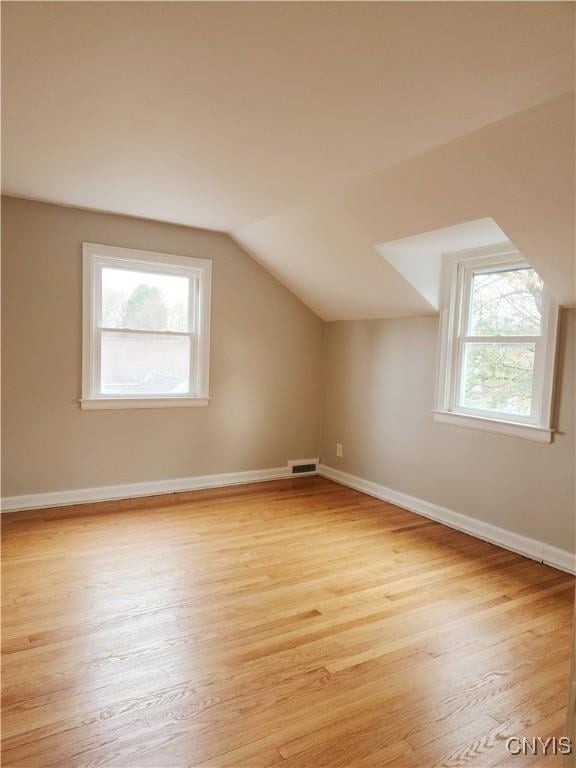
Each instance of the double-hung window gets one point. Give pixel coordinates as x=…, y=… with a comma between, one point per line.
x=146, y=329
x=498, y=345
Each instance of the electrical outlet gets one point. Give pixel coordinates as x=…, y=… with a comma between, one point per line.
x=339, y=450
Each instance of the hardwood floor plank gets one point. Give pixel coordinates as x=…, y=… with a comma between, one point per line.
x=295, y=623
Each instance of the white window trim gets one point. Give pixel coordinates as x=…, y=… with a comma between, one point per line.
x=457, y=268
x=95, y=257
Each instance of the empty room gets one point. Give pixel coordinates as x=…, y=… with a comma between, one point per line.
x=288, y=378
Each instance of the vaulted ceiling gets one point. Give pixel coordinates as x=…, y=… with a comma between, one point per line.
x=310, y=132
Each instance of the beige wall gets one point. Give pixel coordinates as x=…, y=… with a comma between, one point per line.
x=266, y=382
x=378, y=393
x=265, y=363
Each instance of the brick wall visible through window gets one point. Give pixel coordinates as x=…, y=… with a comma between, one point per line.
x=146, y=329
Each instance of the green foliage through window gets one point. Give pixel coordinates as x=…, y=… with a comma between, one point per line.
x=498, y=377
x=145, y=309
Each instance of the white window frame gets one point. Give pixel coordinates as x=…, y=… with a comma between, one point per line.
x=458, y=272
x=199, y=271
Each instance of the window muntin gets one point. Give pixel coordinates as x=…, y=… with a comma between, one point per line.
x=146, y=326
x=498, y=339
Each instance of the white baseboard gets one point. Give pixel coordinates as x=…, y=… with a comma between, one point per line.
x=559, y=558
x=536, y=550
x=133, y=490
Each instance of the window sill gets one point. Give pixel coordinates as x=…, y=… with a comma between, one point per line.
x=114, y=403
x=510, y=428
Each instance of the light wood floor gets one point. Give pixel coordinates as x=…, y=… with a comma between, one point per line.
x=296, y=623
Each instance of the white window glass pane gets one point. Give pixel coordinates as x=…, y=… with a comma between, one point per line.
x=144, y=300
x=506, y=303
x=144, y=364
x=498, y=377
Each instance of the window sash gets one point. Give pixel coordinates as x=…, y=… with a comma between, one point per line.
x=455, y=336
x=153, y=331
x=99, y=329
x=465, y=283
x=197, y=271
x=466, y=280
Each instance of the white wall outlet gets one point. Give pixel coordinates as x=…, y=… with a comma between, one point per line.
x=339, y=450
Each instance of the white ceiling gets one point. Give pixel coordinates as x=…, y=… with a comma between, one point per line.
x=301, y=129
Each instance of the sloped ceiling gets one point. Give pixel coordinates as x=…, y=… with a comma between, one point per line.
x=518, y=171
x=419, y=258
x=310, y=132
